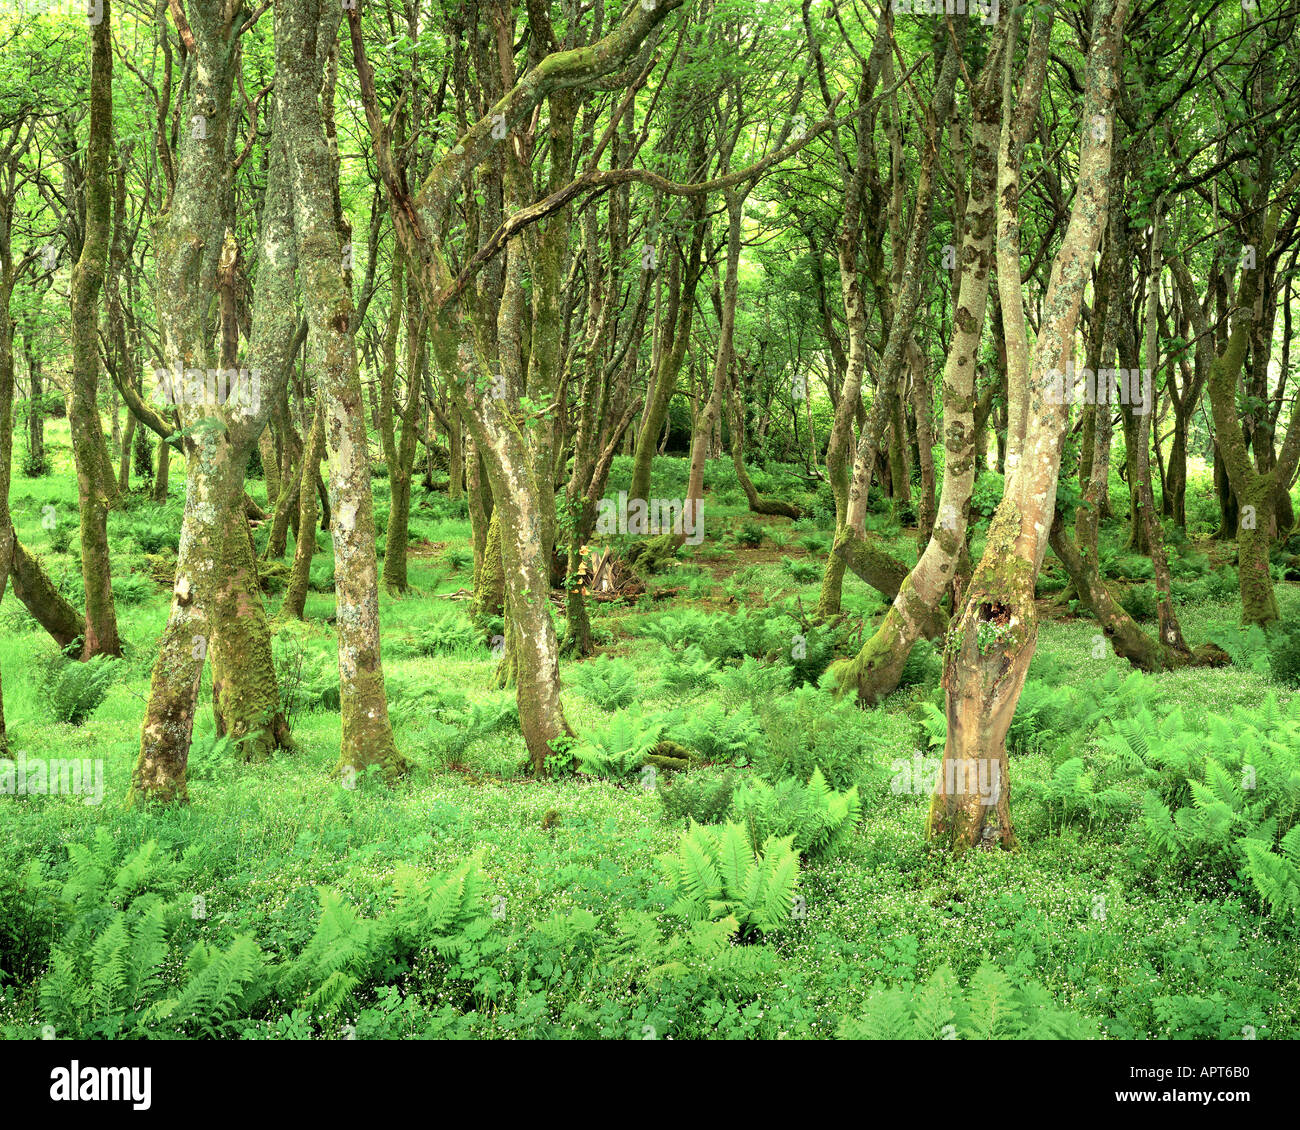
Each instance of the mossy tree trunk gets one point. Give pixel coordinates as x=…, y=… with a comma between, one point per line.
x=992, y=638
x=295, y=594
x=875, y=671
x=162, y=478
x=96, y=481
x=216, y=601
x=490, y=584
x=305, y=32
x=1255, y=493
x=41, y=597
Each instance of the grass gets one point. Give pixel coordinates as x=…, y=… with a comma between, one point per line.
x=1165, y=959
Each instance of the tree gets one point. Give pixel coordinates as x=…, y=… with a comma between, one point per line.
x=96, y=483
x=305, y=31
x=992, y=638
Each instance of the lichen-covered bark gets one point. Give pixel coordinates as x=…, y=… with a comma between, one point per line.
x=210, y=494
x=245, y=693
x=1016, y=131
x=527, y=582
x=992, y=639
x=592, y=399
x=216, y=603
x=1079, y=555
x=875, y=671
x=1255, y=493
x=295, y=594
x=96, y=482
x=301, y=28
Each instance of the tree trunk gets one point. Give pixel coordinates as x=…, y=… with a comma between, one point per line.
x=96, y=483
x=35, y=408
x=875, y=671
x=672, y=352
x=160, y=481
x=304, y=32
x=295, y=596
x=1255, y=493
x=216, y=603
x=401, y=464
x=992, y=639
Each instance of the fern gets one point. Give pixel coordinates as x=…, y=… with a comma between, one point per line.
x=1234, y=811
x=718, y=734
x=817, y=817
x=1070, y=795
x=684, y=672
x=451, y=725
x=621, y=747
x=347, y=953
x=752, y=683
x=334, y=960
x=109, y=960
x=432, y=907
x=992, y=1007
x=715, y=874
x=447, y=634
x=221, y=985
x=701, y=797
x=606, y=682
x=1161, y=832
x=1276, y=878
x=73, y=691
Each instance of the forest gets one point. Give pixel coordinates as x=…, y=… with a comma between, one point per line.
x=649, y=519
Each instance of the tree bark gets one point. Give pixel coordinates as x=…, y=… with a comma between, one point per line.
x=875, y=671
x=304, y=33
x=992, y=639
x=295, y=595
x=96, y=482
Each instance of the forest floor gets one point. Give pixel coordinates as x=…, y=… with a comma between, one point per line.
x=578, y=939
